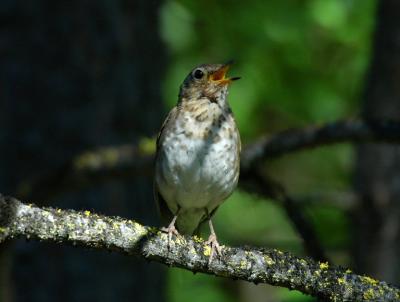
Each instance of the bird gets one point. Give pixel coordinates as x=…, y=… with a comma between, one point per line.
x=198, y=154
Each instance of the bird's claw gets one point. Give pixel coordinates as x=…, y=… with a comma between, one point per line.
x=170, y=230
x=215, y=247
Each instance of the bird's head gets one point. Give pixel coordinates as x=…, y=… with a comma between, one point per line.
x=207, y=80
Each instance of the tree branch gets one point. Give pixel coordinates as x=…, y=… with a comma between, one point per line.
x=255, y=182
x=354, y=131
x=88, y=169
x=126, y=236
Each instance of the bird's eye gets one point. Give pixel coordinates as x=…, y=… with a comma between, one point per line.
x=198, y=74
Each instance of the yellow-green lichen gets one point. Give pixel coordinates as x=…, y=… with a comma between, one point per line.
x=324, y=265
x=268, y=260
x=341, y=280
x=243, y=264
x=369, y=294
x=138, y=228
x=152, y=230
x=87, y=213
x=180, y=240
x=369, y=280
x=303, y=262
x=198, y=239
x=207, y=250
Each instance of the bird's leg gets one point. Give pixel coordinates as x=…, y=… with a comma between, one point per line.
x=170, y=229
x=213, y=242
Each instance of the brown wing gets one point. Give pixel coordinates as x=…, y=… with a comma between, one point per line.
x=165, y=127
x=165, y=213
x=162, y=207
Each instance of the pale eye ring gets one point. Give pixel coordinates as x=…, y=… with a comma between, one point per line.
x=198, y=74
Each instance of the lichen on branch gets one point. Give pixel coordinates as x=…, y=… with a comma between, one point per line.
x=256, y=265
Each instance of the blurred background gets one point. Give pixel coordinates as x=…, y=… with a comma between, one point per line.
x=79, y=75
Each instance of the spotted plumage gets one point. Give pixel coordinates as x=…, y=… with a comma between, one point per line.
x=198, y=148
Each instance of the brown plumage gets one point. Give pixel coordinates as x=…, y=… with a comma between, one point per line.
x=197, y=160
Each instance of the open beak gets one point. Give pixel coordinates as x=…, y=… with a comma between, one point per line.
x=219, y=75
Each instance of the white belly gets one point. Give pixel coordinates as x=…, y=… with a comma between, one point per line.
x=197, y=175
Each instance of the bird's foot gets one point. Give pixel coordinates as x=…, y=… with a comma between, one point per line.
x=170, y=230
x=215, y=247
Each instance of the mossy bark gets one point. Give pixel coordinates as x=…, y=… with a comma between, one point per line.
x=257, y=265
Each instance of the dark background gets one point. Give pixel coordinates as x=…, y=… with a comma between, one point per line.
x=78, y=75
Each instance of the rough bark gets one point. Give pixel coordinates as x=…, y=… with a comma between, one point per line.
x=274, y=267
x=377, y=223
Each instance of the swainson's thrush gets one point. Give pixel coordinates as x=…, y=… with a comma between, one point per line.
x=197, y=161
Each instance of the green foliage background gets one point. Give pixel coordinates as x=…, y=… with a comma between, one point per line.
x=301, y=62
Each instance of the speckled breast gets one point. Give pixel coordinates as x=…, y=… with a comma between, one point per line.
x=198, y=166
